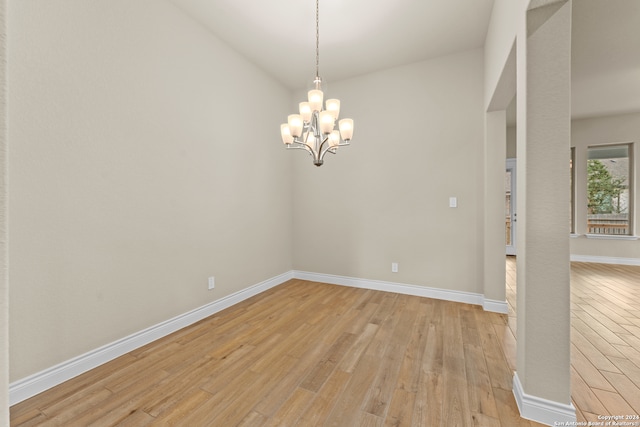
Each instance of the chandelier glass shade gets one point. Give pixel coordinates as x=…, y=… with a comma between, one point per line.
x=313, y=129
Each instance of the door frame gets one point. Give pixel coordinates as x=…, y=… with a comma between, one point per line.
x=511, y=166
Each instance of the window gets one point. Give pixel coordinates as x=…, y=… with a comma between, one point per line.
x=608, y=189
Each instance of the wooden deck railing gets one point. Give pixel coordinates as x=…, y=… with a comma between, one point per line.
x=617, y=227
x=607, y=224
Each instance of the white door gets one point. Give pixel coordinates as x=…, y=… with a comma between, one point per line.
x=510, y=206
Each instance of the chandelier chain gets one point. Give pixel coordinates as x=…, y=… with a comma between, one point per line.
x=317, y=39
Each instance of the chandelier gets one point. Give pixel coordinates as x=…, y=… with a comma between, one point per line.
x=313, y=129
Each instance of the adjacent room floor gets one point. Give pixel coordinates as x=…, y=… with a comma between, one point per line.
x=605, y=337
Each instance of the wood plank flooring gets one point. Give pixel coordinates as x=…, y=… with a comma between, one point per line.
x=306, y=354
x=311, y=354
x=605, y=337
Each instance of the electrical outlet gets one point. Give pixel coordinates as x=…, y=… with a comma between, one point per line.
x=212, y=282
x=394, y=267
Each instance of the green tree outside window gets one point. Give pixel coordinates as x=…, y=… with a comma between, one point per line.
x=603, y=189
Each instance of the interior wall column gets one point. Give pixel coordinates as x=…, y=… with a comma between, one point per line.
x=542, y=379
x=495, y=150
x=4, y=280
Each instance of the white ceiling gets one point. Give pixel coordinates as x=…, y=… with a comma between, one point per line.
x=356, y=36
x=605, y=63
x=361, y=36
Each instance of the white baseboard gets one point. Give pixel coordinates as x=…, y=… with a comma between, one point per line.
x=495, y=306
x=399, y=288
x=41, y=381
x=542, y=410
x=605, y=260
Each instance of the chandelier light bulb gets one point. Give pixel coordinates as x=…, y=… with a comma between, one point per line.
x=334, y=139
x=333, y=105
x=315, y=99
x=295, y=125
x=305, y=111
x=326, y=122
x=346, y=129
x=286, y=134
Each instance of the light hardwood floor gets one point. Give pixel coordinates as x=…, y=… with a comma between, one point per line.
x=316, y=354
x=304, y=354
x=605, y=337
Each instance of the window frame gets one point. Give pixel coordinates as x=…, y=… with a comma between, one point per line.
x=630, y=189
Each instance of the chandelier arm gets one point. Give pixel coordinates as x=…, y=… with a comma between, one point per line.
x=305, y=147
x=323, y=143
x=327, y=149
x=297, y=145
x=302, y=146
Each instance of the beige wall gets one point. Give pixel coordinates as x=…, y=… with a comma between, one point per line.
x=385, y=198
x=4, y=282
x=624, y=128
x=143, y=160
x=512, y=151
x=501, y=36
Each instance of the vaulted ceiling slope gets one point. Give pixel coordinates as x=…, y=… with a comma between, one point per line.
x=356, y=36
x=361, y=36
